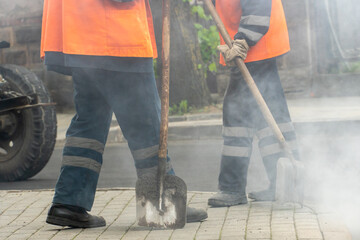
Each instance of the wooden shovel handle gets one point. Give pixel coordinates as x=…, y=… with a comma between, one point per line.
x=165, y=57
x=165, y=79
x=250, y=82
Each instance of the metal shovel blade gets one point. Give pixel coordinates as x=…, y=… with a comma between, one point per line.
x=147, y=202
x=289, y=181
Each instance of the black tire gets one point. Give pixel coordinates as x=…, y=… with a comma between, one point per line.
x=33, y=141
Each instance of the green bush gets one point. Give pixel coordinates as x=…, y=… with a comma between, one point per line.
x=208, y=38
x=179, y=109
x=352, y=68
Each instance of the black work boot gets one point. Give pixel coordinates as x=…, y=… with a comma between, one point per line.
x=232, y=182
x=195, y=214
x=264, y=195
x=227, y=199
x=72, y=216
x=270, y=164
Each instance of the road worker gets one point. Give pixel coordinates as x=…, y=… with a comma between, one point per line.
x=260, y=35
x=108, y=48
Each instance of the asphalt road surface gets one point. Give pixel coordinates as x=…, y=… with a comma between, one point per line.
x=197, y=162
x=331, y=160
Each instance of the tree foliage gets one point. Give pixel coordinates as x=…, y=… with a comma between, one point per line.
x=187, y=80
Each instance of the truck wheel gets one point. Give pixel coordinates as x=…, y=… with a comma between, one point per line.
x=26, y=146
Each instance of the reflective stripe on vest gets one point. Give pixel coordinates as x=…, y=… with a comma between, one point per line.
x=98, y=28
x=274, y=43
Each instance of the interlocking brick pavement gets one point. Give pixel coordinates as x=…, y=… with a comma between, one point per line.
x=23, y=214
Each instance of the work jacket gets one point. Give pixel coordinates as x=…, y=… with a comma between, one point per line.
x=98, y=28
x=261, y=23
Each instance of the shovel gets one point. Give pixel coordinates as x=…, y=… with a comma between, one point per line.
x=290, y=172
x=161, y=200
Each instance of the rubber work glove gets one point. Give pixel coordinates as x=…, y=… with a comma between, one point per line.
x=239, y=49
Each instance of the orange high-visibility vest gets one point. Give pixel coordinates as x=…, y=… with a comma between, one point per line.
x=98, y=28
x=274, y=43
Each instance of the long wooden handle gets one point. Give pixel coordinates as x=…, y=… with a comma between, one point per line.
x=165, y=79
x=165, y=55
x=250, y=82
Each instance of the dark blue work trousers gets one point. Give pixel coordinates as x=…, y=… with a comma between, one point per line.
x=242, y=120
x=134, y=99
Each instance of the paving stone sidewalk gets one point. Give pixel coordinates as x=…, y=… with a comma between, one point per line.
x=23, y=214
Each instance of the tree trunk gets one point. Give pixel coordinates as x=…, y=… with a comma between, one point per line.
x=187, y=81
